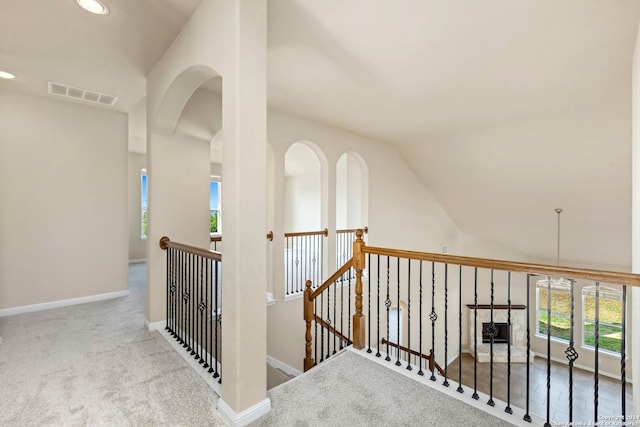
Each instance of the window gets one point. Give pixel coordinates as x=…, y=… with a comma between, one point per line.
x=560, y=310
x=610, y=318
x=143, y=204
x=214, y=207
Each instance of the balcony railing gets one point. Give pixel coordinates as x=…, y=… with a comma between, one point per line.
x=194, y=302
x=415, y=304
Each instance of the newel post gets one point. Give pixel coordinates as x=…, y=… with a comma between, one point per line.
x=358, y=265
x=308, y=317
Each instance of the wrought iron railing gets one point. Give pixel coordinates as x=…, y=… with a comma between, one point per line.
x=194, y=302
x=436, y=292
x=304, y=255
x=344, y=249
x=215, y=242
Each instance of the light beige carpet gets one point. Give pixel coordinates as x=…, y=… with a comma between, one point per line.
x=97, y=365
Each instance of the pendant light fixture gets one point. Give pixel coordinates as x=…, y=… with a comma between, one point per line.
x=555, y=282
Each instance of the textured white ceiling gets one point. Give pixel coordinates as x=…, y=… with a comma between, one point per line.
x=504, y=109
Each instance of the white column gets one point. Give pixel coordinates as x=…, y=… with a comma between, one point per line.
x=244, y=175
x=178, y=196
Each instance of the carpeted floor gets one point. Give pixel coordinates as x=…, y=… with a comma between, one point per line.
x=97, y=365
x=351, y=390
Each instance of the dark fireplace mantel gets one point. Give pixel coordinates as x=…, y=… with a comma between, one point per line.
x=497, y=306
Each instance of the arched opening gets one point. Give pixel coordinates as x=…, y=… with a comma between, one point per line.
x=350, y=191
x=303, y=192
x=351, y=203
x=304, y=240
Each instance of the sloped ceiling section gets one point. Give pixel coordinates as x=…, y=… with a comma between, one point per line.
x=504, y=110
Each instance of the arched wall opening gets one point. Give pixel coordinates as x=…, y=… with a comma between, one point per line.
x=351, y=191
x=179, y=169
x=302, y=189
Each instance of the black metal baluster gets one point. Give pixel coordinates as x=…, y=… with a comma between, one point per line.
x=207, y=310
x=349, y=308
x=387, y=303
x=623, y=354
x=475, y=335
x=182, y=292
x=508, y=409
x=335, y=293
x=322, y=328
x=210, y=309
x=459, y=389
x=378, y=310
x=446, y=326
x=571, y=353
x=492, y=335
x=329, y=321
x=596, y=337
x=190, y=304
x=200, y=308
x=342, y=312
x=369, y=307
x=527, y=417
x=216, y=324
x=408, y=314
x=219, y=287
x=547, y=423
x=420, y=371
x=398, y=316
x=433, y=316
x=168, y=270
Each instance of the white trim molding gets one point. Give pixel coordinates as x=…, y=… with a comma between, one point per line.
x=137, y=261
x=62, y=303
x=289, y=370
x=155, y=326
x=245, y=417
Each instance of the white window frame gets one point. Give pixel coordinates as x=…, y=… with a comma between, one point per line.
x=538, y=333
x=605, y=292
x=214, y=178
x=143, y=235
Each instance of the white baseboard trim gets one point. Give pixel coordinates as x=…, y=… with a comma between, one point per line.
x=245, y=417
x=289, y=370
x=137, y=261
x=155, y=326
x=62, y=303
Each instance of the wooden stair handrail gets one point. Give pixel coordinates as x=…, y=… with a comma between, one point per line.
x=365, y=230
x=166, y=243
x=537, y=269
x=324, y=232
x=335, y=276
x=319, y=320
x=215, y=238
x=429, y=357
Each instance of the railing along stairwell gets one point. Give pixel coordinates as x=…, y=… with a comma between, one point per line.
x=194, y=302
x=455, y=309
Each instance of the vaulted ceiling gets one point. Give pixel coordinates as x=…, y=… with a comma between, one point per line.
x=504, y=109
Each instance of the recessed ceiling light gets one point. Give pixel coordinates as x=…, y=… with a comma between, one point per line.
x=94, y=6
x=6, y=75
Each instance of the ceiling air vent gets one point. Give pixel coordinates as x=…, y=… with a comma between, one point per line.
x=76, y=93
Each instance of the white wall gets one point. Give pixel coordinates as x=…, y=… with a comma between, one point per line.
x=137, y=246
x=302, y=201
x=408, y=219
x=63, y=186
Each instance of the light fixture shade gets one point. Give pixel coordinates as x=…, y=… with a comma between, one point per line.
x=94, y=6
x=6, y=75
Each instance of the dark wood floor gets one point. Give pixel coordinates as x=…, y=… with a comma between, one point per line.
x=609, y=390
